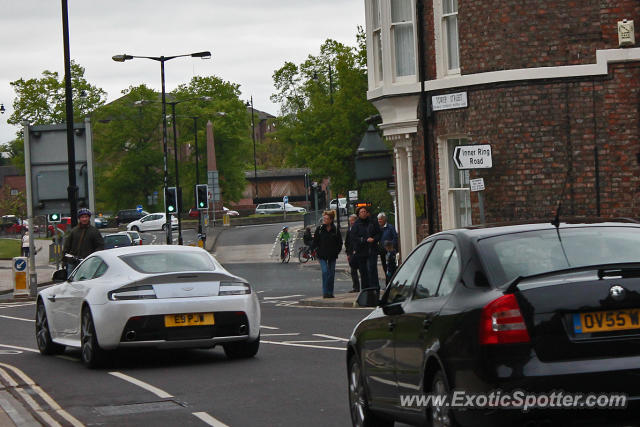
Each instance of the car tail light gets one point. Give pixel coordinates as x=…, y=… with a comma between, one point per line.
x=501, y=322
x=234, y=288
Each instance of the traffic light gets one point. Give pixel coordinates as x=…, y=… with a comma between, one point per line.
x=171, y=200
x=202, y=201
x=54, y=217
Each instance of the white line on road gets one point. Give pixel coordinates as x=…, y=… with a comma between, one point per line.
x=208, y=419
x=268, y=327
x=307, y=341
x=160, y=393
x=70, y=358
x=331, y=337
x=303, y=345
x=14, y=304
x=33, y=350
x=17, y=318
x=287, y=296
x=279, y=335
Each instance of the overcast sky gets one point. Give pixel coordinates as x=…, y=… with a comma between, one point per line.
x=249, y=40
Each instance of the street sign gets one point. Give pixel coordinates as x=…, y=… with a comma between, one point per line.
x=472, y=156
x=477, y=184
x=285, y=199
x=139, y=208
x=353, y=194
x=20, y=264
x=449, y=101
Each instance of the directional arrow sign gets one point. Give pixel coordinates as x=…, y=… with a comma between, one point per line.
x=472, y=156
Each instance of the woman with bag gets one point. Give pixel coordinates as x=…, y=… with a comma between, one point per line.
x=328, y=242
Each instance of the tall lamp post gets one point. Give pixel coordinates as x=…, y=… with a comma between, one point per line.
x=2, y=110
x=162, y=60
x=253, y=136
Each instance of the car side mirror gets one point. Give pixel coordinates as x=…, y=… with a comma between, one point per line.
x=393, y=309
x=59, y=275
x=368, y=298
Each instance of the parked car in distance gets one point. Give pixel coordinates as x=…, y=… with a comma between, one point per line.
x=278, y=207
x=101, y=222
x=343, y=205
x=530, y=307
x=195, y=213
x=117, y=240
x=135, y=237
x=156, y=296
x=154, y=221
x=125, y=216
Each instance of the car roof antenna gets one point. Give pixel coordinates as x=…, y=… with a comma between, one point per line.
x=556, y=220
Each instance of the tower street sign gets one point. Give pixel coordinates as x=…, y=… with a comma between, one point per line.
x=472, y=156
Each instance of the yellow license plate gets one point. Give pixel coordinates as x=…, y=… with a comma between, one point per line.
x=603, y=321
x=188, y=319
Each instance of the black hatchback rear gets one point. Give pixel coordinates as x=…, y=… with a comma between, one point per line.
x=125, y=216
x=530, y=310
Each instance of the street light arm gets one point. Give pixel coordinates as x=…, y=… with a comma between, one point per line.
x=121, y=58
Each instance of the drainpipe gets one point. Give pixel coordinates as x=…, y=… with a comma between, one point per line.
x=425, y=108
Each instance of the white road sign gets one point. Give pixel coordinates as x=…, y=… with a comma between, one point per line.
x=353, y=194
x=477, y=184
x=449, y=101
x=472, y=156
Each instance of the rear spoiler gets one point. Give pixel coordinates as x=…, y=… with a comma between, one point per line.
x=628, y=269
x=183, y=277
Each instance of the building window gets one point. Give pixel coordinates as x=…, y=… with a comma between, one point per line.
x=402, y=36
x=455, y=192
x=376, y=27
x=450, y=34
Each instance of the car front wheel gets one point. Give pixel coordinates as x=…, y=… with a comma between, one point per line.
x=92, y=355
x=361, y=416
x=135, y=228
x=43, y=334
x=241, y=349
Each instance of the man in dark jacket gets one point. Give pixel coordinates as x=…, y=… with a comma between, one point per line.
x=83, y=240
x=328, y=242
x=351, y=258
x=364, y=236
x=388, y=234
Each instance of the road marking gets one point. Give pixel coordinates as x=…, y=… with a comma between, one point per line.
x=33, y=350
x=49, y=401
x=17, y=318
x=307, y=341
x=331, y=337
x=16, y=304
x=72, y=359
x=286, y=296
x=208, y=419
x=268, y=327
x=278, y=335
x=10, y=352
x=303, y=345
x=160, y=393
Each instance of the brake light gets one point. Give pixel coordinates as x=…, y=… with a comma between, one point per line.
x=501, y=322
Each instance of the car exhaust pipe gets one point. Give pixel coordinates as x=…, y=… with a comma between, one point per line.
x=242, y=330
x=130, y=335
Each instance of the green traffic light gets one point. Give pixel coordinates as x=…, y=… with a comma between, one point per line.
x=170, y=209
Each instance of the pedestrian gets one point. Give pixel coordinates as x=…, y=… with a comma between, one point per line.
x=284, y=237
x=327, y=241
x=307, y=237
x=351, y=258
x=365, y=235
x=83, y=240
x=390, y=255
x=25, y=243
x=388, y=233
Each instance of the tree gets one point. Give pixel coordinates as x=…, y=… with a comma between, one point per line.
x=13, y=204
x=41, y=101
x=322, y=115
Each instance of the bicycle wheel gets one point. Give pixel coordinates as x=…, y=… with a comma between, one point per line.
x=287, y=255
x=303, y=255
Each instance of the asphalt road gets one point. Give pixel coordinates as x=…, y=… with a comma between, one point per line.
x=297, y=378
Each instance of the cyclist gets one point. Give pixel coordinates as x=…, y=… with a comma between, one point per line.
x=284, y=240
x=83, y=240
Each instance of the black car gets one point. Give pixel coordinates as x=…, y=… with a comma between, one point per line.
x=117, y=240
x=125, y=216
x=532, y=308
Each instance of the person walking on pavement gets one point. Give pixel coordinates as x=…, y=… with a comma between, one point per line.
x=388, y=234
x=327, y=241
x=365, y=235
x=351, y=258
x=83, y=240
x=25, y=243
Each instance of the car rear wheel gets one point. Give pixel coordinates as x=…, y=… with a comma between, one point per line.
x=92, y=355
x=43, y=335
x=135, y=228
x=440, y=414
x=361, y=416
x=241, y=349
x=164, y=227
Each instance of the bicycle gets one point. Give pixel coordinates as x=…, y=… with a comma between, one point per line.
x=287, y=254
x=305, y=254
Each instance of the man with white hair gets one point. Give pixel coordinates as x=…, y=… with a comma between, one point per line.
x=388, y=234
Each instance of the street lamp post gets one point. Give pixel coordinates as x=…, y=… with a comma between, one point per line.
x=2, y=110
x=162, y=60
x=253, y=136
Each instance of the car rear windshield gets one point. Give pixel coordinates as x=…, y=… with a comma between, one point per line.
x=117, y=240
x=169, y=262
x=533, y=252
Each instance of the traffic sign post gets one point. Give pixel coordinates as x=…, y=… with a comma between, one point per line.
x=478, y=185
x=139, y=208
x=285, y=200
x=19, y=276
x=472, y=156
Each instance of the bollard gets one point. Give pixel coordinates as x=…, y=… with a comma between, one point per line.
x=19, y=276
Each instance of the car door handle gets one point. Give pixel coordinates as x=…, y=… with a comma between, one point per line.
x=52, y=298
x=392, y=325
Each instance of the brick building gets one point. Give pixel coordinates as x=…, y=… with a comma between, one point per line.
x=552, y=86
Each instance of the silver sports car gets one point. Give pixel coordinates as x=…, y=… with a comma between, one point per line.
x=148, y=296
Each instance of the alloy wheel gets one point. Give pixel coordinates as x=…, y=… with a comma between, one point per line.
x=356, y=395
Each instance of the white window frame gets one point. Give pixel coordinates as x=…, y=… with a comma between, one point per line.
x=375, y=46
x=447, y=196
x=410, y=77
x=441, y=41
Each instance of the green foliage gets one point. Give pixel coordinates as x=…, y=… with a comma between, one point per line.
x=378, y=195
x=13, y=204
x=323, y=106
x=42, y=101
x=9, y=248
